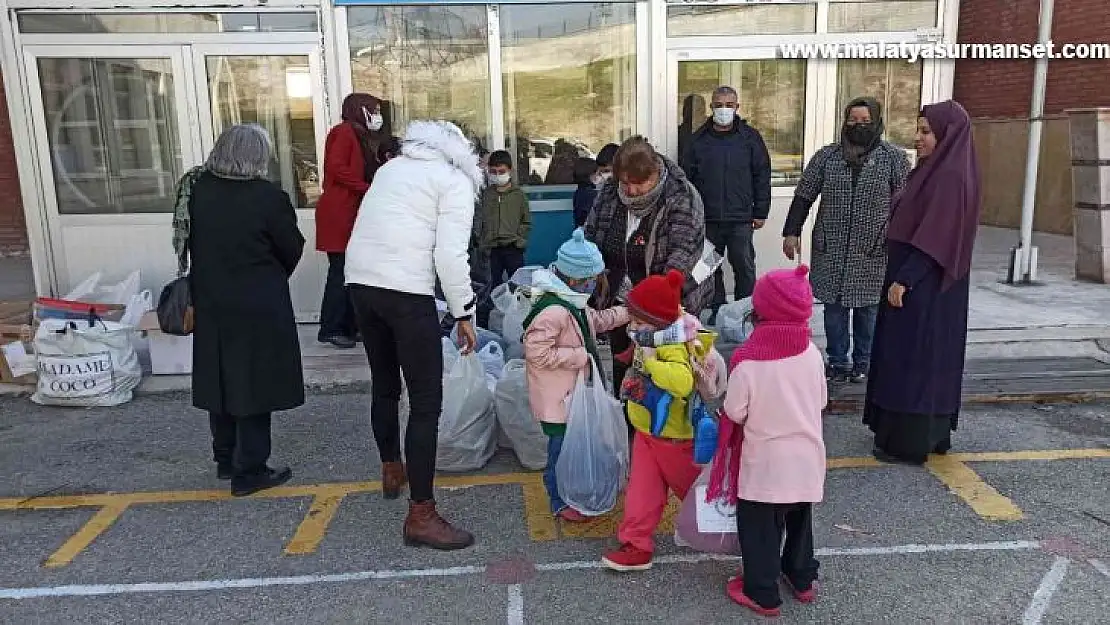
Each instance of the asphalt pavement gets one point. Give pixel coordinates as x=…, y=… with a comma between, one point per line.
x=115, y=516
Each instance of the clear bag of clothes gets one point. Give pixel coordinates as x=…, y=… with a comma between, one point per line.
x=467, y=425
x=514, y=416
x=734, y=321
x=593, y=466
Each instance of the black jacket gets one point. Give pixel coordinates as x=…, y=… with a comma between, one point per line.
x=244, y=244
x=731, y=170
x=584, y=197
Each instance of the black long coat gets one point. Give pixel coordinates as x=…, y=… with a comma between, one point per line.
x=244, y=244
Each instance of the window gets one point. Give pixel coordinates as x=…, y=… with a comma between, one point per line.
x=896, y=84
x=848, y=16
x=569, y=78
x=772, y=99
x=767, y=19
x=89, y=23
x=425, y=62
x=112, y=128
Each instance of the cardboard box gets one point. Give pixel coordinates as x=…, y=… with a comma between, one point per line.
x=169, y=354
x=17, y=333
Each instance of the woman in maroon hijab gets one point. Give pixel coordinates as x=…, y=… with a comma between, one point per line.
x=350, y=160
x=917, y=365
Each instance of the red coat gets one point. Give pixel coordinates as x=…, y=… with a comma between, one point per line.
x=344, y=186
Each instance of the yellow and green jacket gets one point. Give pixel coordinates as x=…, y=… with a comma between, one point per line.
x=669, y=369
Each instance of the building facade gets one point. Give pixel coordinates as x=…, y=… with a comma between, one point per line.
x=110, y=102
x=998, y=96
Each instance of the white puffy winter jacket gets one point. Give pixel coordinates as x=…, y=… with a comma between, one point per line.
x=415, y=220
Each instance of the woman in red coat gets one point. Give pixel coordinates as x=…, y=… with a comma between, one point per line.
x=350, y=160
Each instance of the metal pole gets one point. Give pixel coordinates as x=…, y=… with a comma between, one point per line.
x=1023, y=266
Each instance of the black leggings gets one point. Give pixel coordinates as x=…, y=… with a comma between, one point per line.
x=401, y=335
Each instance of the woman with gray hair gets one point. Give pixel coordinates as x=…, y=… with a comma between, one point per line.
x=241, y=231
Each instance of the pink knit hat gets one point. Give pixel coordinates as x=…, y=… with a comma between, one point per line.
x=784, y=296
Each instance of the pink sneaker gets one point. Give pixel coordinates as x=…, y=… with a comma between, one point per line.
x=627, y=559
x=807, y=596
x=735, y=591
x=570, y=515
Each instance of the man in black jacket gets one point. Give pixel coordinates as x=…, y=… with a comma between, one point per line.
x=728, y=163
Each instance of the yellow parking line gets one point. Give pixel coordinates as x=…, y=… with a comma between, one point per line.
x=1032, y=454
x=315, y=524
x=93, y=528
x=537, y=512
x=967, y=485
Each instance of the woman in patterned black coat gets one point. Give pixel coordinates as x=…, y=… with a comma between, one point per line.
x=647, y=220
x=856, y=178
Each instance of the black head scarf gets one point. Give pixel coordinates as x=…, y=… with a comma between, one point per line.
x=856, y=151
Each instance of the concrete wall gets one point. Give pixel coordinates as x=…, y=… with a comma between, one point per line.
x=1001, y=146
x=13, y=230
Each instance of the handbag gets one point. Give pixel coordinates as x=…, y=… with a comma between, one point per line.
x=175, y=308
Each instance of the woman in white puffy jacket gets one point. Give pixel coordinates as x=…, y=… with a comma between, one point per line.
x=414, y=224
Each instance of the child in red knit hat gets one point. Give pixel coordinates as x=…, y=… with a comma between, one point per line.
x=663, y=450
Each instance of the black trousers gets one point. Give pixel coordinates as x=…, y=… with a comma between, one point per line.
x=401, y=334
x=733, y=241
x=505, y=261
x=242, y=443
x=337, y=316
x=761, y=527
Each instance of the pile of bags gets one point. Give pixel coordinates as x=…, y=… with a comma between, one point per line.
x=87, y=344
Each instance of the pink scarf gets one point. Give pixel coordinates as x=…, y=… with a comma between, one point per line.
x=769, y=341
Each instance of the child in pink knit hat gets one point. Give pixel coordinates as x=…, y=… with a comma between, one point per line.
x=776, y=394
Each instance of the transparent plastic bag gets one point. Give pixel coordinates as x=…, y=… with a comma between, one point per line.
x=523, y=277
x=593, y=466
x=513, y=322
x=514, y=416
x=450, y=354
x=709, y=527
x=732, y=321
x=467, y=425
x=709, y=262
x=493, y=362
x=485, y=337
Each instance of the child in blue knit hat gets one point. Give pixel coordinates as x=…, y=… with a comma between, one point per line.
x=560, y=337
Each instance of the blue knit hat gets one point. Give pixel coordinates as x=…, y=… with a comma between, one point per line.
x=578, y=258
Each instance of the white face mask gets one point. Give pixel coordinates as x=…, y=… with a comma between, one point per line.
x=374, y=121
x=723, y=116
x=601, y=178
x=500, y=180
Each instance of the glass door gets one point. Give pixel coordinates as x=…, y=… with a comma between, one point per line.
x=776, y=98
x=281, y=88
x=277, y=87
x=113, y=135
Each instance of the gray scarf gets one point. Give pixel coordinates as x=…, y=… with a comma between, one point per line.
x=642, y=205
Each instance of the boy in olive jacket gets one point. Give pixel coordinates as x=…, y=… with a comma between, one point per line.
x=506, y=220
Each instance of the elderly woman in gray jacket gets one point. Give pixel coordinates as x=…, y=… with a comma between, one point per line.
x=856, y=177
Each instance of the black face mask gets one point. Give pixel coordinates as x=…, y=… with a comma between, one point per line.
x=862, y=134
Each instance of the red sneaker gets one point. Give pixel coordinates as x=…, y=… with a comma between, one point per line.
x=805, y=596
x=735, y=591
x=570, y=515
x=627, y=558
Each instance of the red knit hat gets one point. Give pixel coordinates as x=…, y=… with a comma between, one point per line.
x=657, y=299
x=784, y=296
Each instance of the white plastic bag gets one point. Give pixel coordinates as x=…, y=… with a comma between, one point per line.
x=92, y=291
x=732, y=321
x=523, y=277
x=514, y=416
x=139, y=305
x=85, y=365
x=513, y=322
x=493, y=362
x=593, y=466
x=709, y=262
x=450, y=354
x=467, y=426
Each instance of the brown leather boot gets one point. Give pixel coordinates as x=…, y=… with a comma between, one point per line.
x=425, y=528
x=393, y=479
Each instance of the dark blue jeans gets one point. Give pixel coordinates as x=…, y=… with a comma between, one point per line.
x=554, y=446
x=839, y=337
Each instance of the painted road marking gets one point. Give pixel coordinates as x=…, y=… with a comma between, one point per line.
x=514, y=613
x=967, y=485
x=1100, y=566
x=952, y=470
x=94, y=527
x=90, y=590
x=1043, y=597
